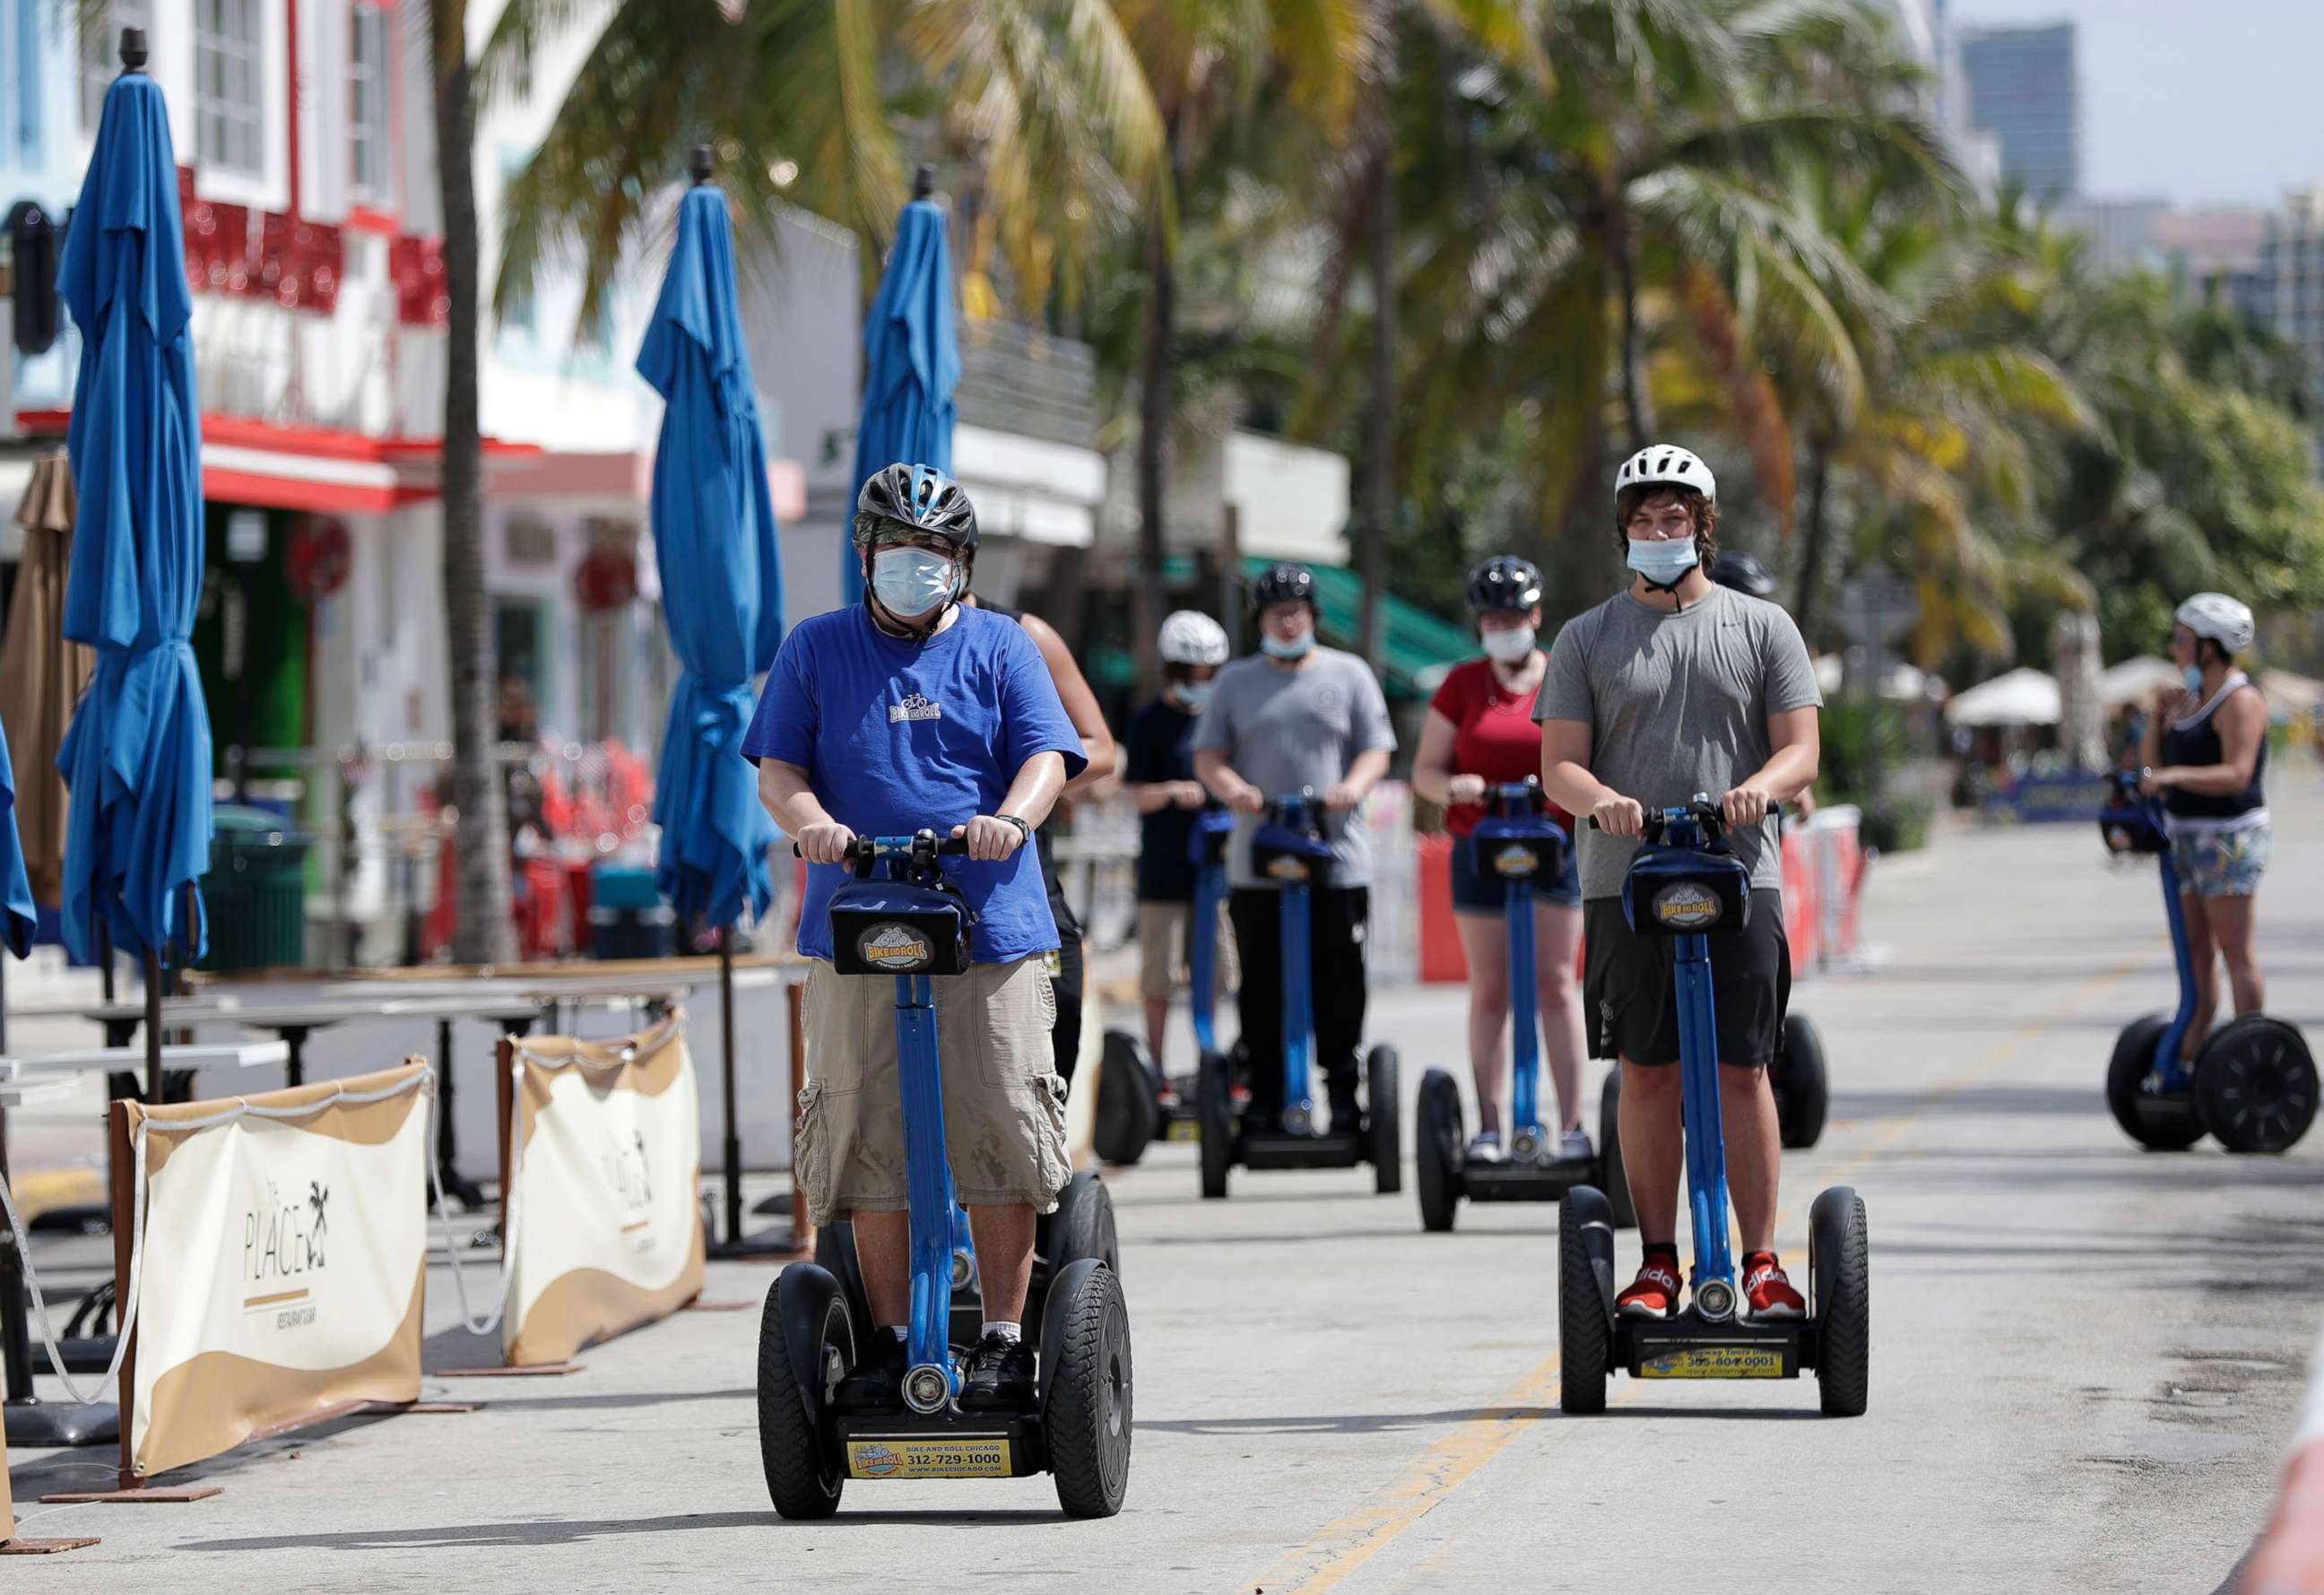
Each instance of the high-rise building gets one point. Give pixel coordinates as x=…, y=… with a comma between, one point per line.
x=2287, y=289
x=2022, y=88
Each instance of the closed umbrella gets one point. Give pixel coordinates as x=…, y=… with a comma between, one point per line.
x=911, y=358
x=137, y=758
x=17, y=913
x=721, y=587
x=42, y=675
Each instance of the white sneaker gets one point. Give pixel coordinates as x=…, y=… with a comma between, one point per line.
x=1576, y=1145
x=1485, y=1147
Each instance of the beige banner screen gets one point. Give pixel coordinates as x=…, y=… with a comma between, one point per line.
x=603, y=1231
x=284, y=1254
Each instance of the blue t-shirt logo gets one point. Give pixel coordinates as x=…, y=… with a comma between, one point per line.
x=898, y=736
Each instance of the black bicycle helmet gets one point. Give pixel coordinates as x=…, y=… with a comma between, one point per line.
x=1743, y=572
x=1504, y=581
x=1284, y=584
x=920, y=497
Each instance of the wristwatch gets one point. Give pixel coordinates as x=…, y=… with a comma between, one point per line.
x=1023, y=829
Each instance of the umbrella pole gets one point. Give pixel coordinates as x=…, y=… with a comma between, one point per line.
x=153, y=1027
x=104, y=957
x=733, y=1148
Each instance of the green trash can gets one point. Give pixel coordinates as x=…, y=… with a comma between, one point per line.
x=255, y=892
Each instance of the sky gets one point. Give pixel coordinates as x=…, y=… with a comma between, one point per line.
x=2200, y=101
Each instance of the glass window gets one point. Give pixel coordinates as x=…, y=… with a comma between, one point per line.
x=227, y=84
x=100, y=53
x=367, y=105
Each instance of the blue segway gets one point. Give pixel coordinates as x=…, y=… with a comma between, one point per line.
x=1685, y=885
x=914, y=924
x=1522, y=844
x=2253, y=1086
x=1126, y=1122
x=1289, y=852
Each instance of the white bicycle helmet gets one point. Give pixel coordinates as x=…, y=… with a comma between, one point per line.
x=2223, y=620
x=1190, y=637
x=1667, y=462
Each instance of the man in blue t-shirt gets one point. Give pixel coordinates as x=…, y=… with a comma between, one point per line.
x=911, y=712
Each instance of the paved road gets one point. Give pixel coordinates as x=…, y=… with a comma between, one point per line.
x=2085, y=1358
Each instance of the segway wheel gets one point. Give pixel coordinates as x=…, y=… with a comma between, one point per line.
x=2255, y=1085
x=1384, y=1104
x=1436, y=1151
x=1129, y=1114
x=1623, y=1216
x=1802, y=1093
x=1082, y=1226
x=805, y=1347
x=1585, y=1329
x=1215, y=1117
x=1086, y=1391
x=2161, y=1123
x=834, y=1253
x=1839, y=1281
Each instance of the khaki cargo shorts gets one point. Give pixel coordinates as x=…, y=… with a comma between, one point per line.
x=1166, y=955
x=1004, y=1105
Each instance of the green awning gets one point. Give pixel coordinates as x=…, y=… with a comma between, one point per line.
x=1417, y=645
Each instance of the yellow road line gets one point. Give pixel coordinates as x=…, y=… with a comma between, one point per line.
x=1345, y=1543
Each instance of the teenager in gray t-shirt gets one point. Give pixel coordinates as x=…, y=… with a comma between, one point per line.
x=1300, y=714
x=1676, y=686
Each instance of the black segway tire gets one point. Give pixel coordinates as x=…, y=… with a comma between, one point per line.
x=1436, y=1151
x=1086, y=1389
x=1214, y=1118
x=1840, y=1268
x=806, y=1344
x=834, y=1252
x=1585, y=1330
x=1383, y=1117
x=2161, y=1124
x=2256, y=1084
x=1617, y=1176
x=1129, y=1114
x=1802, y=1093
x=1082, y=1226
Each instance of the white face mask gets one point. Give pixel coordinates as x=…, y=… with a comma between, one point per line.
x=1276, y=647
x=1509, y=645
x=910, y=581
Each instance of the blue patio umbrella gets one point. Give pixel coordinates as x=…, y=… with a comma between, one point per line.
x=137, y=757
x=722, y=582
x=911, y=360
x=18, y=913
x=722, y=589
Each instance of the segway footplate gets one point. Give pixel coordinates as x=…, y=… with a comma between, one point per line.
x=1510, y=1181
x=943, y=1445
x=1301, y=1151
x=1688, y=1348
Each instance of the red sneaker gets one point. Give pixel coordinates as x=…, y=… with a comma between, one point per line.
x=1654, y=1294
x=1769, y=1289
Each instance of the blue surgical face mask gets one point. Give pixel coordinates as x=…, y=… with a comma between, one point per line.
x=1662, y=562
x=2194, y=674
x=1276, y=648
x=910, y=581
x=1195, y=695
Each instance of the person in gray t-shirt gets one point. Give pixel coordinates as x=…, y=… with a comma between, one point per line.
x=1297, y=716
x=1671, y=687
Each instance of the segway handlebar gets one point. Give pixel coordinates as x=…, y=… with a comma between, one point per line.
x=1513, y=799
x=1702, y=811
x=865, y=850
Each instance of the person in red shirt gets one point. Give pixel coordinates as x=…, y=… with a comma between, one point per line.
x=1479, y=733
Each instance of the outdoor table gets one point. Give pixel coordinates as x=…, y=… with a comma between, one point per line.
x=121, y=1021
x=517, y=1015
x=293, y=1022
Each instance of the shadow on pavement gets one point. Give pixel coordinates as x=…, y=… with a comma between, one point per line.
x=1349, y=1424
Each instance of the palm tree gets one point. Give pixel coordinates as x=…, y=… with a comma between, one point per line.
x=1557, y=236
x=485, y=933
x=1037, y=104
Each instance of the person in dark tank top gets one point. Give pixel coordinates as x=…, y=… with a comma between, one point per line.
x=2205, y=753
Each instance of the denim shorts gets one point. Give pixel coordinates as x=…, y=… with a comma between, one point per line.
x=1475, y=891
x=2221, y=863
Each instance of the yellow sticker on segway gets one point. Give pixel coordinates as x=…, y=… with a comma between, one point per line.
x=983, y=1456
x=1182, y=1130
x=1715, y=1362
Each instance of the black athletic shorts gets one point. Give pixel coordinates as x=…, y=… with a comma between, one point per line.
x=1630, y=993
